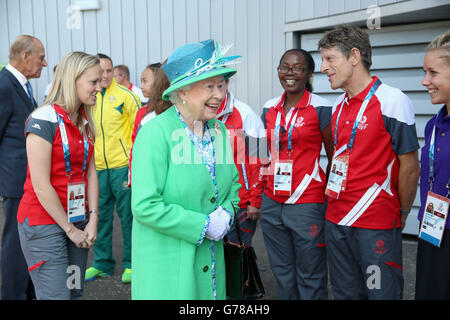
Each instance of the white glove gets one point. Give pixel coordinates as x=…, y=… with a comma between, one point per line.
x=219, y=224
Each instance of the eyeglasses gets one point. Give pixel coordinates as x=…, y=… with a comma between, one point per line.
x=294, y=69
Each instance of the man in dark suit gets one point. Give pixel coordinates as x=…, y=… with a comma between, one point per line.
x=26, y=60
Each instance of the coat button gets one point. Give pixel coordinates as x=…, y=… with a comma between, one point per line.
x=205, y=268
x=213, y=200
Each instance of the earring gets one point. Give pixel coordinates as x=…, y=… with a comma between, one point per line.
x=184, y=101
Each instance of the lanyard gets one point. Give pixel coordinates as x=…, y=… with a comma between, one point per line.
x=431, y=158
x=358, y=117
x=278, y=127
x=65, y=143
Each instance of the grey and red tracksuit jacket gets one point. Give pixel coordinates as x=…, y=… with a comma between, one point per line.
x=245, y=128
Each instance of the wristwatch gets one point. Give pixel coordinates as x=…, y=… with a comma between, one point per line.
x=92, y=211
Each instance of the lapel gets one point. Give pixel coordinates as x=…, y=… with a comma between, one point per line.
x=19, y=89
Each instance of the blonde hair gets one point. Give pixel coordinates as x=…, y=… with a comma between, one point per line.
x=22, y=43
x=63, y=91
x=441, y=42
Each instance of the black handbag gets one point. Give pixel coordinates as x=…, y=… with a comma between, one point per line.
x=242, y=275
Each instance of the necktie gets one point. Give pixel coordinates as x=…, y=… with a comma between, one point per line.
x=30, y=92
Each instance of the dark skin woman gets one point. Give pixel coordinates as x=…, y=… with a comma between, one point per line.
x=295, y=73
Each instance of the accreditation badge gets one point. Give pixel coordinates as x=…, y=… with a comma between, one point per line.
x=434, y=219
x=76, y=197
x=282, y=178
x=337, y=180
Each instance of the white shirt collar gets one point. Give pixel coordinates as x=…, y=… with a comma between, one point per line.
x=19, y=76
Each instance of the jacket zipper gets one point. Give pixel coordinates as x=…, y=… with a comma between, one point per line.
x=123, y=148
x=103, y=131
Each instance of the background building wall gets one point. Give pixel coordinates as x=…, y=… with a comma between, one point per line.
x=140, y=32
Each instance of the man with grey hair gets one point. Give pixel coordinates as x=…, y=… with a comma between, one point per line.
x=26, y=60
x=373, y=187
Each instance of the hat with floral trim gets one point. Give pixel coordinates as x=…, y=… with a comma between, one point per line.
x=197, y=61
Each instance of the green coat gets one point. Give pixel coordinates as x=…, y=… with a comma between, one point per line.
x=172, y=194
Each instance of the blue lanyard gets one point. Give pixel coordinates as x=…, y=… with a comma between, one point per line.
x=358, y=117
x=65, y=143
x=431, y=158
x=277, y=130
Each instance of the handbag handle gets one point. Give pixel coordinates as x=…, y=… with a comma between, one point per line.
x=237, y=227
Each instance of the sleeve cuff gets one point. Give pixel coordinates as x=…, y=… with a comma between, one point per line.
x=205, y=229
x=231, y=216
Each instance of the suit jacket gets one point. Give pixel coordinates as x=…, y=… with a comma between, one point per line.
x=172, y=194
x=15, y=107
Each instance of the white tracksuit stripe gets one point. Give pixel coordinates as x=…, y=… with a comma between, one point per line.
x=304, y=184
x=367, y=199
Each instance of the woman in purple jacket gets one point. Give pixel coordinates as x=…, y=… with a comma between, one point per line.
x=433, y=253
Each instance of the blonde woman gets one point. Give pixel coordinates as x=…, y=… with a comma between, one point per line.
x=433, y=261
x=57, y=230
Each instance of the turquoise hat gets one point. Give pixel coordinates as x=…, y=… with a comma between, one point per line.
x=193, y=62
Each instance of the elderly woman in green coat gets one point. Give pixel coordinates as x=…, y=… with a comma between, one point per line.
x=185, y=183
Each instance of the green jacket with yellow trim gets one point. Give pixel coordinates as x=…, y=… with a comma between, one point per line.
x=114, y=119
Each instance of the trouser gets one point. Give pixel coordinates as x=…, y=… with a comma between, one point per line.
x=294, y=239
x=247, y=228
x=56, y=265
x=16, y=282
x=113, y=191
x=364, y=263
x=433, y=270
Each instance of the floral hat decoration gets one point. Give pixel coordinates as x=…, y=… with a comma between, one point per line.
x=197, y=61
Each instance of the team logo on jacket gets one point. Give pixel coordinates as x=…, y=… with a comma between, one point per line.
x=380, y=248
x=300, y=122
x=363, y=123
x=314, y=230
